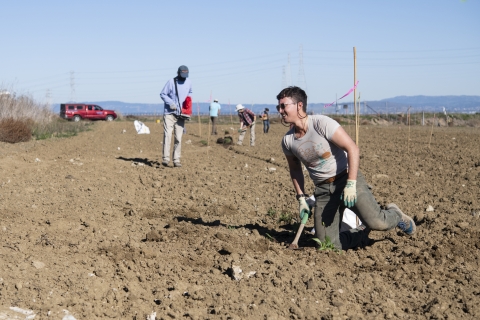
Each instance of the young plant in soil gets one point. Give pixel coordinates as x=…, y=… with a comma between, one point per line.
x=326, y=245
x=270, y=238
x=286, y=217
x=271, y=213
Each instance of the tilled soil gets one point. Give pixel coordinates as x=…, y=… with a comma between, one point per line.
x=95, y=226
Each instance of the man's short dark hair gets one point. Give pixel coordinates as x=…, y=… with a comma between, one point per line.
x=296, y=94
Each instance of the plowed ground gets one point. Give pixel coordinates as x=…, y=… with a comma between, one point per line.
x=95, y=225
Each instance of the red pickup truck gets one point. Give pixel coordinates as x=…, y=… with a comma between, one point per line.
x=78, y=111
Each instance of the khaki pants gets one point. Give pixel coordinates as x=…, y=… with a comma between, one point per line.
x=172, y=123
x=252, y=136
x=214, y=125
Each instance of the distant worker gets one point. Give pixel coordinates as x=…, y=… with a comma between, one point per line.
x=174, y=94
x=332, y=161
x=214, y=112
x=266, y=120
x=247, y=120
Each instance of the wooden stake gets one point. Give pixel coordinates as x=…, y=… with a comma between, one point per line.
x=408, y=121
x=208, y=136
x=199, y=122
x=431, y=133
x=355, y=93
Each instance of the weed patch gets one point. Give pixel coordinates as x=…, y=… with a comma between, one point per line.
x=15, y=130
x=59, y=128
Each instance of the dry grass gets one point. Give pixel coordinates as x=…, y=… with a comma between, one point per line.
x=22, y=118
x=15, y=130
x=23, y=107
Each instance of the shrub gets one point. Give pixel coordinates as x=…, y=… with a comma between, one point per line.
x=15, y=130
x=59, y=128
x=21, y=117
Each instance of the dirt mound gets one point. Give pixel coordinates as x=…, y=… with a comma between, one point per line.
x=94, y=224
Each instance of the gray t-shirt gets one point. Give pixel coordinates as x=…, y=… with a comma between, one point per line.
x=322, y=158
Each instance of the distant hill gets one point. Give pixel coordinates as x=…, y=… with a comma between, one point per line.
x=452, y=104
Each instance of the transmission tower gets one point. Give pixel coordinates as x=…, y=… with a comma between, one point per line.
x=289, y=72
x=284, y=79
x=72, y=86
x=48, y=98
x=302, y=82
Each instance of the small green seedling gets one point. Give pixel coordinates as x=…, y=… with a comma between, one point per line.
x=286, y=217
x=271, y=212
x=270, y=237
x=326, y=245
x=204, y=142
x=231, y=227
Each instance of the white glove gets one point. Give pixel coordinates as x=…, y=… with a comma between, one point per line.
x=173, y=106
x=303, y=209
x=349, y=195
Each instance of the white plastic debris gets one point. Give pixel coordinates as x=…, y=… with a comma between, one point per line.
x=272, y=169
x=430, y=209
x=152, y=316
x=16, y=313
x=124, y=131
x=141, y=127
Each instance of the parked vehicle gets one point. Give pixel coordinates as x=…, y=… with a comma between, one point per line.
x=78, y=111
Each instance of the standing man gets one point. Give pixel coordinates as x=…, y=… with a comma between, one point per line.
x=266, y=120
x=247, y=120
x=214, y=112
x=174, y=93
x=332, y=160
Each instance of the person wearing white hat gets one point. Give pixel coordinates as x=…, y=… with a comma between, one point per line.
x=247, y=120
x=214, y=112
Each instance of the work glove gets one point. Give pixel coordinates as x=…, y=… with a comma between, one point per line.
x=303, y=210
x=349, y=195
x=173, y=106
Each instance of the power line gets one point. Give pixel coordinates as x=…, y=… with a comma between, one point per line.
x=72, y=86
x=302, y=82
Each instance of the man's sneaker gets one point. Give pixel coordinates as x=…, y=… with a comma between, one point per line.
x=177, y=164
x=406, y=223
x=165, y=163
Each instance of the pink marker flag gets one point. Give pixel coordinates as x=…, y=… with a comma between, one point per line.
x=346, y=94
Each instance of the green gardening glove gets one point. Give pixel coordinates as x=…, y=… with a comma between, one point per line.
x=303, y=210
x=349, y=195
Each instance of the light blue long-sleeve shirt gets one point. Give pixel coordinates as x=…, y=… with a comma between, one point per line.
x=214, y=108
x=169, y=95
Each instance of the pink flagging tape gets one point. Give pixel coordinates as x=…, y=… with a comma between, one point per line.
x=346, y=94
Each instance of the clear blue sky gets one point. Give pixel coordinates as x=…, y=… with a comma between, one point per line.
x=237, y=50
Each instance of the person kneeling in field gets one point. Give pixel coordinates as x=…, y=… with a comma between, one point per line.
x=332, y=160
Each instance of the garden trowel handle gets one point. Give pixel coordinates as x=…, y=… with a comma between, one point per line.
x=299, y=232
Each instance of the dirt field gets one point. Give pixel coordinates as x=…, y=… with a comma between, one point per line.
x=95, y=227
